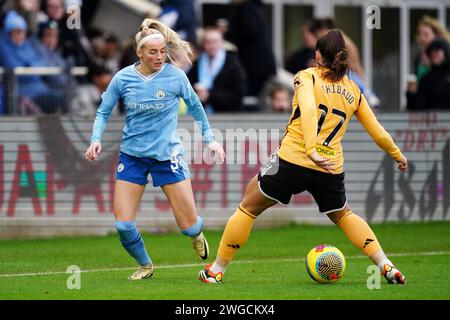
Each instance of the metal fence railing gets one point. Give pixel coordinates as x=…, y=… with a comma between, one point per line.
x=33, y=90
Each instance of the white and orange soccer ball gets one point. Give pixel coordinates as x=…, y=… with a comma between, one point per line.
x=325, y=264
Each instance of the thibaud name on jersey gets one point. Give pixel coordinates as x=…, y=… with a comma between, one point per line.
x=338, y=89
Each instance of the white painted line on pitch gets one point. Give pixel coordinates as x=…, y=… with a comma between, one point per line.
x=50, y=273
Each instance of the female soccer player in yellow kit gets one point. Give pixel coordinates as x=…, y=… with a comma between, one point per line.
x=310, y=158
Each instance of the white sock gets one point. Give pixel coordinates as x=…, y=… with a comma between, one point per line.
x=380, y=259
x=215, y=268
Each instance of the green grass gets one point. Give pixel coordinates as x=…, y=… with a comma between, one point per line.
x=270, y=266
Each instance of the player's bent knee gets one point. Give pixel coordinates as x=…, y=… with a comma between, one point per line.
x=337, y=216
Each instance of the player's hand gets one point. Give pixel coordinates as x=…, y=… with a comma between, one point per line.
x=93, y=151
x=324, y=163
x=217, y=149
x=402, y=164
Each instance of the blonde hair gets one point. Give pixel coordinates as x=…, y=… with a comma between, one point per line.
x=176, y=47
x=436, y=26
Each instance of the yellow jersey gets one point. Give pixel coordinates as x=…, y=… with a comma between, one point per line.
x=321, y=112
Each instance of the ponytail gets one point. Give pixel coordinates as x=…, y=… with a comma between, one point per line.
x=335, y=55
x=176, y=47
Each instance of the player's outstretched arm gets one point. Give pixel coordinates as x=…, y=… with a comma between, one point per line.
x=109, y=100
x=381, y=137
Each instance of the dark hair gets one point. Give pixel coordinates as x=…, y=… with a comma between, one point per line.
x=321, y=23
x=97, y=69
x=439, y=44
x=49, y=24
x=111, y=38
x=334, y=54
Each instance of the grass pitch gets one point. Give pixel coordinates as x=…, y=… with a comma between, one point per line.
x=271, y=266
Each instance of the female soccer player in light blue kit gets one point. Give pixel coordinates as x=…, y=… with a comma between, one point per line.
x=151, y=90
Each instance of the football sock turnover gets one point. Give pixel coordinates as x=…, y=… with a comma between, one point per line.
x=195, y=229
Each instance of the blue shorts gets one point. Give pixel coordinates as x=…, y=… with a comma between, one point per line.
x=136, y=170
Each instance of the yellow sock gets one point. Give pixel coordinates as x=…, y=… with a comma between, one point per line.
x=236, y=233
x=359, y=233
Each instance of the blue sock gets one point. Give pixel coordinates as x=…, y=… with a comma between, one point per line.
x=132, y=241
x=195, y=229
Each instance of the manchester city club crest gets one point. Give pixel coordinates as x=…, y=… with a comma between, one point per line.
x=160, y=94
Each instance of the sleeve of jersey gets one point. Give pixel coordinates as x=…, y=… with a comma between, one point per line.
x=196, y=109
x=303, y=82
x=381, y=137
x=109, y=100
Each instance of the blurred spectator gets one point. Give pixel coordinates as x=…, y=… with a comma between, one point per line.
x=434, y=89
x=217, y=76
x=55, y=9
x=249, y=33
x=75, y=46
x=88, y=96
x=16, y=51
x=106, y=47
x=180, y=16
x=303, y=58
x=128, y=56
x=281, y=100
x=29, y=10
x=111, y=52
x=89, y=9
x=223, y=26
x=46, y=44
x=429, y=29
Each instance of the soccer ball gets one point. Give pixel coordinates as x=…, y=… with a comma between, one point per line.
x=325, y=264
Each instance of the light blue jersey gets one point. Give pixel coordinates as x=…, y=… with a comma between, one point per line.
x=151, y=111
